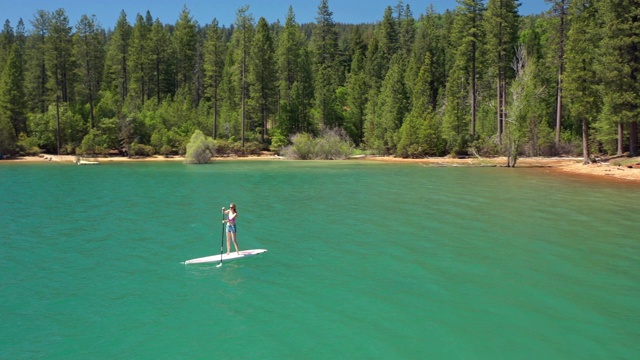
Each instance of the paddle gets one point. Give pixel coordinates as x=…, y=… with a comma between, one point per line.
x=221, y=239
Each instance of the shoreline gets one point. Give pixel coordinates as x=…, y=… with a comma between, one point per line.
x=570, y=166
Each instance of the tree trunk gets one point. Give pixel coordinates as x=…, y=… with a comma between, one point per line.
x=585, y=142
x=91, y=110
x=215, y=113
x=158, y=81
x=560, y=73
x=499, y=108
x=243, y=101
x=559, y=109
x=620, y=138
x=474, y=95
x=633, y=139
x=58, y=120
x=264, y=124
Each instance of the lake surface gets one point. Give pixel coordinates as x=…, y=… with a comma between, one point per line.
x=365, y=260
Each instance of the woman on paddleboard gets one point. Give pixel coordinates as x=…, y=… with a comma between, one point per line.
x=231, y=227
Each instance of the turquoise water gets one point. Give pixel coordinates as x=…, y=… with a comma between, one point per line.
x=365, y=260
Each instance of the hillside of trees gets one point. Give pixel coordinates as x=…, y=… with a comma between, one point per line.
x=477, y=80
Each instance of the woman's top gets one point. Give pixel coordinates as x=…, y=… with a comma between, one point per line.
x=232, y=218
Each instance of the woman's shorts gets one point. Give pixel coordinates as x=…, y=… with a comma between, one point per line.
x=231, y=228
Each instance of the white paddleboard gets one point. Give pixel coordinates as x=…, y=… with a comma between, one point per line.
x=225, y=257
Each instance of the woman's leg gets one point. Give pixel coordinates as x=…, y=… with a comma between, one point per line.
x=229, y=242
x=233, y=236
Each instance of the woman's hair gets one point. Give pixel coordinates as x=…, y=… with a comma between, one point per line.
x=233, y=206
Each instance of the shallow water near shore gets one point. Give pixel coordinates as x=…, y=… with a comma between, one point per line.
x=365, y=260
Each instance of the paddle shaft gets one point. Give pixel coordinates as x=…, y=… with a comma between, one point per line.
x=222, y=239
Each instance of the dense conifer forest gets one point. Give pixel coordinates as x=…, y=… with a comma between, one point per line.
x=478, y=80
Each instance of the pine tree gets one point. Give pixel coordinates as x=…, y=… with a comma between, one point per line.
x=89, y=50
x=501, y=27
x=185, y=42
x=356, y=99
x=325, y=48
x=429, y=40
x=214, y=53
x=461, y=92
x=12, y=96
x=7, y=39
x=36, y=71
x=118, y=57
x=581, y=91
x=262, y=74
x=140, y=59
x=420, y=134
x=407, y=29
x=559, y=10
x=60, y=65
x=160, y=55
x=391, y=108
x=389, y=38
x=238, y=65
x=289, y=69
x=620, y=67
x=289, y=47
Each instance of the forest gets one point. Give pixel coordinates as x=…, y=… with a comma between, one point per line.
x=478, y=80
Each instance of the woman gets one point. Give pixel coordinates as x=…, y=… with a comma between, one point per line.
x=231, y=227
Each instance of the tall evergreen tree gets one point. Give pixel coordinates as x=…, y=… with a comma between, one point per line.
x=501, y=26
x=559, y=10
x=35, y=62
x=214, y=53
x=420, y=134
x=160, y=55
x=620, y=69
x=262, y=75
x=389, y=38
x=374, y=67
x=580, y=88
x=59, y=60
x=356, y=99
x=241, y=48
x=429, y=40
x=140, y=58
x=12, y=95
x=7, y=39
x=326, y=68
x=407, y=29
x=391, y=109
x=289, y=48
x=462, y=91
x=89, y=50
x=185, y=42
x=118, y=57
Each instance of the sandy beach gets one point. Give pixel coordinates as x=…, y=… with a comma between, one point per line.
x=600, y=170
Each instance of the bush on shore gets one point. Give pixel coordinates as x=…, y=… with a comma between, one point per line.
x=332, y=144
x=200, y=149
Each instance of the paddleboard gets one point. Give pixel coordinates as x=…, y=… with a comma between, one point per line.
x=225, y=257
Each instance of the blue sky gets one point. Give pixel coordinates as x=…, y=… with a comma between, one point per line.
x=203, y=11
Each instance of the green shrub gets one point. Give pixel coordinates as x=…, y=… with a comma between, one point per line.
x=252, y=148
x=302, y=147
x=137, y=149
x=28, y=145
x=200, y=149
x=333, y=145
x=330, y=145
x=93, y=143
x=278, y=142
x=165, y=150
